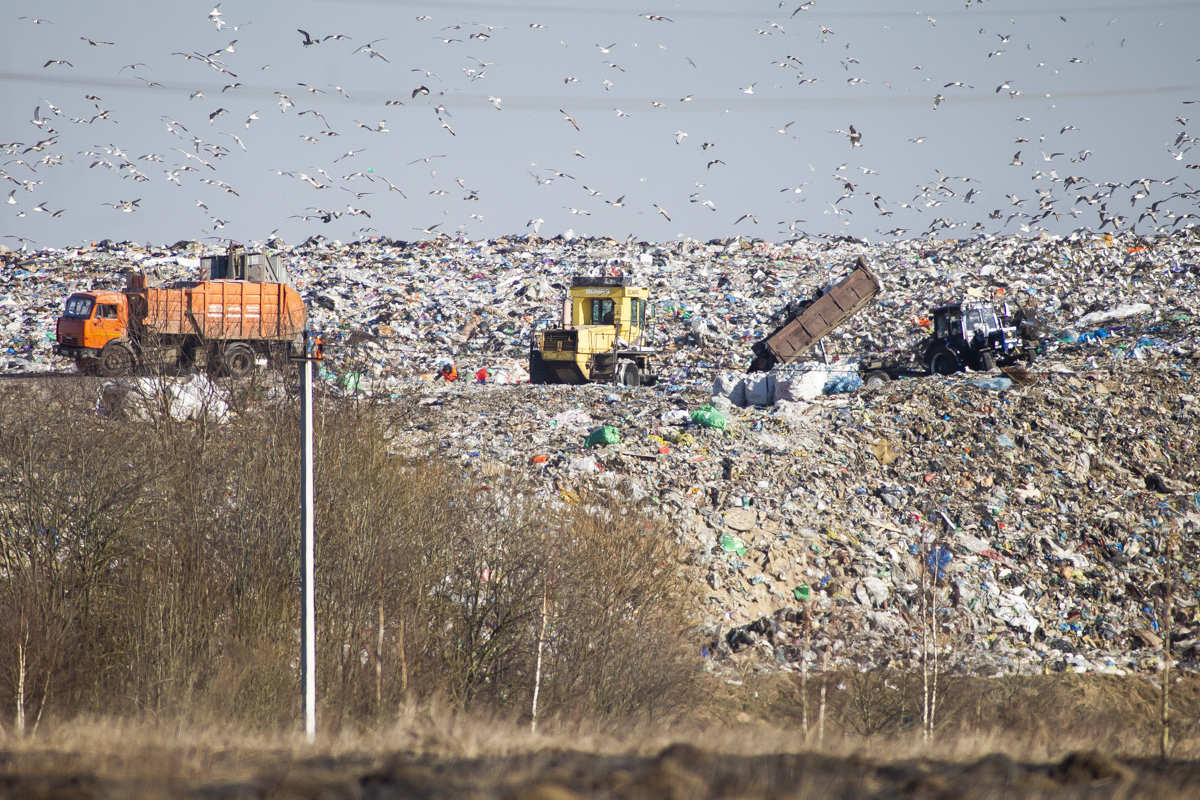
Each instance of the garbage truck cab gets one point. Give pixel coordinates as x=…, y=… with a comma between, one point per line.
x=92, y=320
x=601, y=338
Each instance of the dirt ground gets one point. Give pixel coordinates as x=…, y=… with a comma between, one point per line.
x=680, y=771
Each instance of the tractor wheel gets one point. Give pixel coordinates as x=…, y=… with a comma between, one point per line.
x=116, y=359
x=943, y=363
x=876, y=379
x=237, y=360
x=987, y=362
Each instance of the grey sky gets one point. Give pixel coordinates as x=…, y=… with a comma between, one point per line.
x=1137, y=64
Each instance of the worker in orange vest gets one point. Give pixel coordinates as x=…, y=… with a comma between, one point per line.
x=448, y=373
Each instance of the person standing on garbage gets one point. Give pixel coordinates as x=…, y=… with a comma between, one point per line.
x=448, y=372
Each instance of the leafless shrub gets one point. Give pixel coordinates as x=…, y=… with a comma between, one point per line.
x=151, y=566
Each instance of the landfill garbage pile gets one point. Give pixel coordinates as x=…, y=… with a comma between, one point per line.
x=395, y=308
x=1038, y=503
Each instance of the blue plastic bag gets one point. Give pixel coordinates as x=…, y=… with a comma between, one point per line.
x=938, y=559
x=840, y=384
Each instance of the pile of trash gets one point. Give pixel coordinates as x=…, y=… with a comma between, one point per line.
x=390, y=309
x=1048, y=504
x=1040, y=503
x=803, y=381
x=183, y=399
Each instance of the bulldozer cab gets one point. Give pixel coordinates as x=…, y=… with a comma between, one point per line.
x=602, y=338
x=609, y=301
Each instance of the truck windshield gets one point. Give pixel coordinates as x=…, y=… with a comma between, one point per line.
x=79, y=308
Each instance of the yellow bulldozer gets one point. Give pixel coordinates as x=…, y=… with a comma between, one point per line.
x=600, y=339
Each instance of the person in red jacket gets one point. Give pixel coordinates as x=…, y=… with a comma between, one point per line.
x=448, y=373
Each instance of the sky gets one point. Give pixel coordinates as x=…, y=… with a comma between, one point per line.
x=1072, y=108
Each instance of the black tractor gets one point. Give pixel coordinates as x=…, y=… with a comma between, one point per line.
x=970, y=335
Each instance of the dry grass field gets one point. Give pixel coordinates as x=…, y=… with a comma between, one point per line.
x=448, y=755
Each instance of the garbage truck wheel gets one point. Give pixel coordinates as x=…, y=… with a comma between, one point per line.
x=876, y=379
x=237, y=361
x=116, y=359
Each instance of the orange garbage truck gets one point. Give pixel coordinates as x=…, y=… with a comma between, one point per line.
x=224, y=326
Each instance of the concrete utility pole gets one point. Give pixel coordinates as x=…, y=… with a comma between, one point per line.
x=308, y=660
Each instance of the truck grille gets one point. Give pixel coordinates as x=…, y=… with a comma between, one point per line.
x=69, y=341
x=558, y=341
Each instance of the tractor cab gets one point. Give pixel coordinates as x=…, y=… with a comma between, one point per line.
x=966, y=322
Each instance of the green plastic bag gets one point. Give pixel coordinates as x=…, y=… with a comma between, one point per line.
x=605, y=435
x=708, y=417
x=733, y=544
x=801, y=592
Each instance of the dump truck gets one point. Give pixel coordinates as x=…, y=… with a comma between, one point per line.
x=968, y=334
x=600, y=338
x=223, y=325
x=810, y=321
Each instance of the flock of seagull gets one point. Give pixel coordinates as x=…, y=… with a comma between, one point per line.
x=1168, y=202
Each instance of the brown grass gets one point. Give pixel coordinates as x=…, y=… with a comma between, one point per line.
x=440, y=752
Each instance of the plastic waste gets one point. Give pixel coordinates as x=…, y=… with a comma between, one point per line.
x=604, y=435
x=708, y=417
x=938, y=560
x=732, y=544
x=845, y=382
x=760, y=390
x=993, y=384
